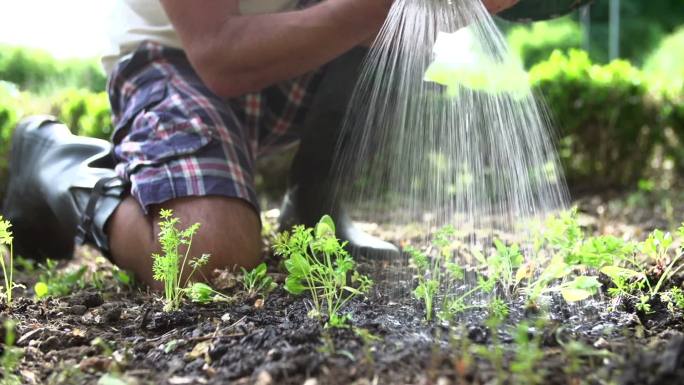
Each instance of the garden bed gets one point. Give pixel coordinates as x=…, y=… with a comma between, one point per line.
x=120, y=335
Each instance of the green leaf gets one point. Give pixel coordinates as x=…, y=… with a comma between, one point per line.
x=260, y=270
x=580, y=288
x=201, y=293
x=574, y=295
x=41, y=289
x=325, y=227
x=297, y=265
x=294, y=286
x=615, y=271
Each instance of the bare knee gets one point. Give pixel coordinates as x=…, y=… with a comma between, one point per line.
x=230, y=230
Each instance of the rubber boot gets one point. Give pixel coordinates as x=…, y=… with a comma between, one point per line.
x=62, y=188
x=311, y=193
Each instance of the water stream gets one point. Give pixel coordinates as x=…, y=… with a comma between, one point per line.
x=444, y=129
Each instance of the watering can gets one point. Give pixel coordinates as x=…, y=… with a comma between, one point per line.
x=533, y=10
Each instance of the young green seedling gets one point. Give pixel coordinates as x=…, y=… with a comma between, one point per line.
x=10, y=356
x=427, y=287
x=631, y=280
x=169, y=266
x=527, y=356
x=202, y=293
x=7, y=266
x=257, y=282
x=431, y=275
x=317, y=262
x=503, y=264
x=674, y=299
x=55, y=283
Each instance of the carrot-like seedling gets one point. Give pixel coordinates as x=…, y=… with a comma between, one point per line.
x=10, y=356
x=7, y=266
x=168, y=267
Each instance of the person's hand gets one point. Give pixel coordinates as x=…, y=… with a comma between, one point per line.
x=496, y=6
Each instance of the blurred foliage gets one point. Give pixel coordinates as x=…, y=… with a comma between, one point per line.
x=665, y=66
x=36, y=71
x=644, y=23
x=612, y=119
x=84, y=112
x=536, y=42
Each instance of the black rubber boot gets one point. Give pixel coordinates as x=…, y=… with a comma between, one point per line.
x=62, y=188
x=312, y=181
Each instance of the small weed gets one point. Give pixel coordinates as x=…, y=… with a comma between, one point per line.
x=369, y=339
x=630, y=275
x=433, y=272
x=202, y=293
x=169, y=266
x=7, y=266
x=528, y=354
x=428, y=285
x=674, y=299
x=257, y=281
x=123, y=277
x=10, y=356
x=55, y=283
x=577, y=354
x=503, y=264
x=317, y=262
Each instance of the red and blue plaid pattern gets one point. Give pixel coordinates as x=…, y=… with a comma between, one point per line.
x=174, y=138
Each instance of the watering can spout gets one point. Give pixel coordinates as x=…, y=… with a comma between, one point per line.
x=533, y=10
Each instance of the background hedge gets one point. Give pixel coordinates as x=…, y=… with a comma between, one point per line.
x=617, y=122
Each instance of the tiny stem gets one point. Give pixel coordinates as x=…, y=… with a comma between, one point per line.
x=666, y=274
x=185, y=259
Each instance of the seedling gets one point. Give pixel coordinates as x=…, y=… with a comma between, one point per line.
x=202, y=293
x=55, y=283
x=576, y=353
x=674, y=299
x=503, y=264
x=369, y=339
x=10, y=356
x=7, y=266
x=257, y=282
x=169, y=266
x=317, y=262
x=631, y=280
x=527, y=355
x=433, y=272
x=427, y=287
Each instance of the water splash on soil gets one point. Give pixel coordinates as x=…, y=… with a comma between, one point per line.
x=448, y=133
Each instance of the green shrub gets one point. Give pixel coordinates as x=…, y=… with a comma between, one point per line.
x=84, y=112
x=608, y=121
x=37, y=71
x=536, y=42
x=665, y=66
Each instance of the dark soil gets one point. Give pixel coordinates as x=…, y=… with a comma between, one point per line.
x=123, y=332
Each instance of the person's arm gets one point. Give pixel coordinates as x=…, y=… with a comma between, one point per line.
x=496, y=6
x=235, y=54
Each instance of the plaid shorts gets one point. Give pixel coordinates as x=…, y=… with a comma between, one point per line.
x=174, y=138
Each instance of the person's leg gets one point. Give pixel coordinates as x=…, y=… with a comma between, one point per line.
x=177, y=146
x=133, y=234
x=181, y=148
x=315, y=180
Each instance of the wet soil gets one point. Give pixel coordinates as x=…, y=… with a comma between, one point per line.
x=119, y=335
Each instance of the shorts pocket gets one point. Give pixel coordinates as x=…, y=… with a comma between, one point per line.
x=143, y=99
